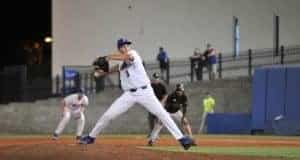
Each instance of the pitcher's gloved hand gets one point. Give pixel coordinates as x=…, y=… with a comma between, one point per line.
x=101, y=63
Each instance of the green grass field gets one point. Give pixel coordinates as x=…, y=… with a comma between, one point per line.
x=288, y=153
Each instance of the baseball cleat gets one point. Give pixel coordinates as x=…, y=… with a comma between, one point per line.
x=150, y=143
x=87, y=140
x=55, y=136
x=186, y=142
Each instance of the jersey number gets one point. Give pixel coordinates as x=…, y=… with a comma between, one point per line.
x=127, y=73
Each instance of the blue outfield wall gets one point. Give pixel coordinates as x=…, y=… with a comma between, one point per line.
x=276, y=93
x=259, y=99
x=292, y=109
x=275, y=102
x=229, y=123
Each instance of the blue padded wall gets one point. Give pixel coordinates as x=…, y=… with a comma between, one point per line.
x=228, y=123
x=259, y=99
x=286, y=126
x=292, y=107
x=275, y=92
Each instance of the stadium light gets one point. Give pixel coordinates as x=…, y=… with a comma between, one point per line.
x=48, y=39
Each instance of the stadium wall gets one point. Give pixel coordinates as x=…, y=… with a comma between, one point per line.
x=41, y=117
x=84, y=29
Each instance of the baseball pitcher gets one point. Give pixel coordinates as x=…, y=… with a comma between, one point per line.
x=137, y=89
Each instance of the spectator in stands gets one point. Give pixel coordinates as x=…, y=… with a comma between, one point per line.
x=197, y=52
x=211, y=59
x=208, y=108
x=163, y=60
x=199, y=63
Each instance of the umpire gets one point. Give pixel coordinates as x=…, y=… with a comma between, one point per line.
x=161, y=93
x=176, y=105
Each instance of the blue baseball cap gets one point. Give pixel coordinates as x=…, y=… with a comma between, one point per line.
x=80, y=90
x=122, y=41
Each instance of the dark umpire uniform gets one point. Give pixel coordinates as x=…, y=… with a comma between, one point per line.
x=176, y=105
x=160, y=92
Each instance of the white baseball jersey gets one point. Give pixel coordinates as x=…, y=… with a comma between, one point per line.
x=73, y=103
x=134, y=74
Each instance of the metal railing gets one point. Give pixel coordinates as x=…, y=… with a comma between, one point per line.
x=247, y=61
x=184, y=69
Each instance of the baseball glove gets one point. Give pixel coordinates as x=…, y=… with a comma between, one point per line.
x=101, y=63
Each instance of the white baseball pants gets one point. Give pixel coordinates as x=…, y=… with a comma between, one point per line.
x=158, y=125
x=65, y=120
x=144, y=97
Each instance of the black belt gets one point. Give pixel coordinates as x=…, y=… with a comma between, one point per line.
x=135, y=89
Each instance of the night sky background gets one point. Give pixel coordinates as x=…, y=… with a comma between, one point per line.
x=23, y=20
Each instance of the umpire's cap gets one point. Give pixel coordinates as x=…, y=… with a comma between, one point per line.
x=179, y=87
x=122, y=41
x=156, y=75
